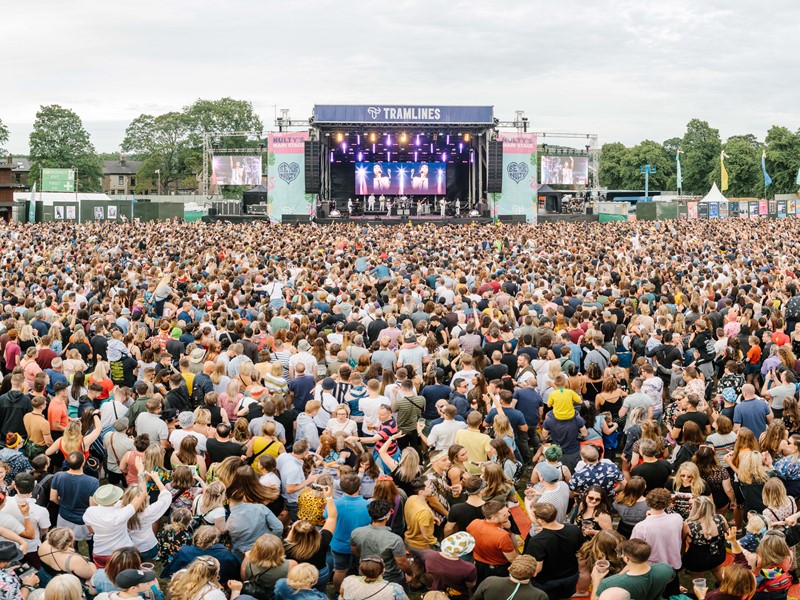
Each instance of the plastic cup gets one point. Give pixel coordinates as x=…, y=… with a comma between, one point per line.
x=148, y=566
x=421, y=421
x=700, y=588
x=602, y=565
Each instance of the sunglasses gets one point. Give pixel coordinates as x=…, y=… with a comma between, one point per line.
x=594, y=498
x=373, y=559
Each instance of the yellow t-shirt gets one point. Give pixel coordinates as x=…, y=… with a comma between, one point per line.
x=563, y=401
x=477, y=445
x=418, y=514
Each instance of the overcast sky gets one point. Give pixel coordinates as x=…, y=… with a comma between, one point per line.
x=625, y=69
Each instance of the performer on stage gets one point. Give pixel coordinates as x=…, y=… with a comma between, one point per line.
x=382, y=203
x=350, y=207
x=442, y=206
x=371, y=203
x=379, y=182
x=458, y=207
x=420, y=182
x=388, y=207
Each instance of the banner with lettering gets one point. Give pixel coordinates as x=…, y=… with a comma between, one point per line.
x=520, y=188
x=286, y=167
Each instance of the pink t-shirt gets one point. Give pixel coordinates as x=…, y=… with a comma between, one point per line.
x=663, y=533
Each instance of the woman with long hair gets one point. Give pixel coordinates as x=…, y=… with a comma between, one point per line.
x=738, y=583
x=687, y=486
x=503, y=431
x=140, y=525
x=717, y=478
x=691, y=440
x=593, y=512
x=602, y=546
x=368, y=472
x=199, y=581
x=774, y=440
x=791, y=415
x=307, y=544
x=73, y=439
x=592, y=383
x=370, y=583
x=504, y=456
x=630, y=505
x=209, y=506
x=104, y=580
x=266, y=443
x=650, y=430
x=752, y=477
x=610, y=397
x=777, y=504
x=263, y=565
x=771, y=561
x=187, y=455
x=704, y=532
x=385, y=489
x=58, y=555
x=405, y=470
x=788, y=467
x=101, y=378
x=498, y=486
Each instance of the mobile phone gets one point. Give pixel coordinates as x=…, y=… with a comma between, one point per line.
x=30, y=571
x=318, y=487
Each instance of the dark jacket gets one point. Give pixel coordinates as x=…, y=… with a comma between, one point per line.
x=201, y=386
x=14, y=405
x=178, y=399
x=460, y=402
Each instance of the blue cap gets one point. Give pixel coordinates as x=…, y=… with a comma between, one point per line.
x=729, y=394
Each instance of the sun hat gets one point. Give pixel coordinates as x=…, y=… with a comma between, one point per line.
x=458, y=544
x=107, y=495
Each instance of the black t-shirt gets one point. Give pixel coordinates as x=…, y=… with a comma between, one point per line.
x=556, y=548
x=495, y=371
x=654, y=474
x=219, y=451
x=122, y=373
x=463, y=514
x=700, y=418
x=100, y=347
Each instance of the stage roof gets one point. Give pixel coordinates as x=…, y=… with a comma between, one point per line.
x=407, y=115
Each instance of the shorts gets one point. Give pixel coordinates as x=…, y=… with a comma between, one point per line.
x=342, y=562
x=81, y=532
x=752, y=369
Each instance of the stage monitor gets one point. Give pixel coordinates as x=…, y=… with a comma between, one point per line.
x=401, y=178
x=236, y=170
x=565, y=170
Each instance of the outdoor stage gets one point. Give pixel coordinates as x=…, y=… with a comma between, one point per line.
x=404, y=220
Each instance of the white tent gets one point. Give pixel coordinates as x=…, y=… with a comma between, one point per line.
x=714, y=195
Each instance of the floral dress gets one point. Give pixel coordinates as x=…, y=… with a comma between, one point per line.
x=170, y=540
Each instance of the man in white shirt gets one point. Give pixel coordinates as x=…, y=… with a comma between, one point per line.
x=109, y=522
x=113, y=410
x=303, y=355
x=324, y=395
x=151, y=423
x=442, y=435
x=466, y=373
x=38, y=516
x=369, y=405
x=186, y=421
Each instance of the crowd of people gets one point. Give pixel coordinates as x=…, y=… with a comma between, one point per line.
x=212, y=411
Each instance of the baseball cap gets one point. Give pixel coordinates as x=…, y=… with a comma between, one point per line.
x=132, y=577
x=548, y=472
x=328, y=383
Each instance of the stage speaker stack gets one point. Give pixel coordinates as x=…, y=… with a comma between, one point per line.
x=494, y=175
x=313, y=182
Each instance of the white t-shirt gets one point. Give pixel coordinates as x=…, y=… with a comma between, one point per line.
x=110, y=526
x=369, y=406
x=176, y=437
x=111, y=412
x=153, y=426
x=349, y=427
x=270, y=480
x=39, y=516
x=143, y=538
x=443, y=435
x=466, y=375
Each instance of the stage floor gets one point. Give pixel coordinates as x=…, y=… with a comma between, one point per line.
x=542, y=217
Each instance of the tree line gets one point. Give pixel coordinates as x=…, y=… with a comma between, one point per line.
x=700, y=148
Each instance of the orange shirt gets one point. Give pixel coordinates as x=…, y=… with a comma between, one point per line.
x=754, y=354
x=57, y=415
x=491, y=541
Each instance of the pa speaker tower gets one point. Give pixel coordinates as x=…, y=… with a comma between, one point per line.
x=313, y=183
x=494, y=176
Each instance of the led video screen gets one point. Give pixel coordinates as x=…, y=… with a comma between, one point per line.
x=565, y=170
x=236, y=170
x=401, y=178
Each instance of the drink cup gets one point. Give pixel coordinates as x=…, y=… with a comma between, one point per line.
x=148, y=566
x=602, y=565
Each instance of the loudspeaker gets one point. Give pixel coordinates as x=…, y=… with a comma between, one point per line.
x=494, y=175
x=313, y=183
x=212, y=212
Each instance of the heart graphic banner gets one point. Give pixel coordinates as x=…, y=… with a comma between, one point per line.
x=288, y=171
x=517, y=171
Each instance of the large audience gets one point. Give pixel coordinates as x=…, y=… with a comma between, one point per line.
x=212, y=411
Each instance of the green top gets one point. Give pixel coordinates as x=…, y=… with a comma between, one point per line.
x=649, y=586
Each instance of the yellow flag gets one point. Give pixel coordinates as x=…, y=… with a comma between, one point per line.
x=724, y=171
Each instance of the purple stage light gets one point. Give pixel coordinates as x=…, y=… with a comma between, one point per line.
x=448, y=139
x=471, y=156
x=344, y=147
x=460, y=147
x=444, y=156
x=331, y=155
x=388, y=139
x=358, y=139
x=431, y=147
x=418, y=142
x=416, y=156
x=373, y=148
x=360, y=156
x=388, y=157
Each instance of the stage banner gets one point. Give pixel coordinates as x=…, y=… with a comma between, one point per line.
x=713, y=210
x=790, y=208
x=733, y=209
x=286, y=175
x=702, y=210
x=773, y=208
x=691, y=209
x=781, y=209
x=400, y=114
x=520, y=189
x=723, y=210
x=754, y=208
x=763, y=208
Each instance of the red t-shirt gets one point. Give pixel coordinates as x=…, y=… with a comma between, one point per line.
x=57, y=415
x=491, y=542
x=780, y=338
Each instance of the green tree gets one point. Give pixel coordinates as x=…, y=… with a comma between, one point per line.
x=612, y=158
x=163, y=141
x=701, y=146
x=743, y=164
x=783, y=159
x=3, y=136
x=225, y=114
x=59, y=140
x=647, y=153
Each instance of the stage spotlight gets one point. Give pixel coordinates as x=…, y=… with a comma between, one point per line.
x=466, y=137
x=431, y=148
x=388, y=139
x=418, y=142
x=373, y=148
x=340, y=137
x=372, y=137
x=344, y=147
x=444, y=156
x=358, y=139
x=416, y=156
x=447, y=141
x=388, y=157
x=403, y=138
x=360, y=156
x=460, y=147
x=471, y=156
x=331, y=155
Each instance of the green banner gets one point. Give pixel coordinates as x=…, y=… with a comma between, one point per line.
x=58, y=180
x=520, y=188
x=286, y=182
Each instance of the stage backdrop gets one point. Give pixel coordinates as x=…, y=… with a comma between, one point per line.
x=286, y=175
x=519, y=195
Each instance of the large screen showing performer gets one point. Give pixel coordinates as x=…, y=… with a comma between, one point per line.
x=236, y=170
x=401, y=178
x=565, y=170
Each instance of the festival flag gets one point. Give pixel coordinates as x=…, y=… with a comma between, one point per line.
x=767, y=178
x=32, y=205
x=797, y=181
x=723, y=170
x=678, y=176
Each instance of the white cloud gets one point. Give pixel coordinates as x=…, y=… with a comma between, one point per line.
x=625, y=69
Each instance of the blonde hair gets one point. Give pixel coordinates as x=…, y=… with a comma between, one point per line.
x=697, y=486
x=302, y=577
x=773, y=550
x=496, y=481
x=202, y=416
x=127, y=498
x=502, y=427
x=774, y=494
x=64, y=587
x=202, y=572
x=267, y=552
x=72, y=439
x=212, y=497
x=100, y=371
x=703, y=512
x=153, y=457
x=303, y=540
x=751, y=468
x=408, y=465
